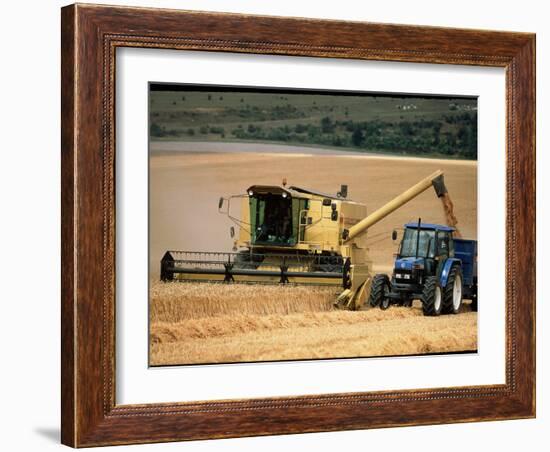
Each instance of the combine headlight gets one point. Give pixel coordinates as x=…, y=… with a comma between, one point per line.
x=250, y=193
x=285, y=194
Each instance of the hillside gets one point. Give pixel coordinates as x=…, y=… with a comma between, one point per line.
x=433, y=126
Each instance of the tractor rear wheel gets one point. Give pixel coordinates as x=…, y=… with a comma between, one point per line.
x=378, y=292
x=432, y=296
x=452, y=293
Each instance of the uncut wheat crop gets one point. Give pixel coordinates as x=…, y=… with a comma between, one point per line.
x=175, y=301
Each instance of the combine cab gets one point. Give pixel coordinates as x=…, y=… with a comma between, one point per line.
x=294, y=235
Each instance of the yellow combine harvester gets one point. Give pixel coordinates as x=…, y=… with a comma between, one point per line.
x=297, y=236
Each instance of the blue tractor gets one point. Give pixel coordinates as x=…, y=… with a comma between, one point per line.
x=431, y=266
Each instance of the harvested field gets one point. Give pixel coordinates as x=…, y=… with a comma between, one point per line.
x=193, y=323
x=214, y=323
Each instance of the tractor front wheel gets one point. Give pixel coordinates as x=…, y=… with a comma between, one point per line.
x=452, y=294
x=379, y=290
x=432, y=297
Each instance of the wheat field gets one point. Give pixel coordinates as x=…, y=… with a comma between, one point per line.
x=176, y=301
x=201, y=323
x=194, y=323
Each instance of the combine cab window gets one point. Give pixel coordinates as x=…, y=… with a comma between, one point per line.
x=274, y=220
x=426, y=243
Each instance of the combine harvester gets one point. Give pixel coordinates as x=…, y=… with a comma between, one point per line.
x=297, y=236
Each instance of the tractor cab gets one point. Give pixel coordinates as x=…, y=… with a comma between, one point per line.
x=422, y=250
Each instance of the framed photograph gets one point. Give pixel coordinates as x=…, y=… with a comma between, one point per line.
x=283, y=225
x=276, y=271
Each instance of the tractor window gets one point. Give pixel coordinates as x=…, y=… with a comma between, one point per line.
x=426, y=243
x=444, y=244
x=272, y=220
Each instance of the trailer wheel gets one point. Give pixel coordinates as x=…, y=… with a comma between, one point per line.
x=378, y=292
x=473, y=305
x=452, y=293
x=432, y=297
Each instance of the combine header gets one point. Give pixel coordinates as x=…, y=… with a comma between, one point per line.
x=298, y=236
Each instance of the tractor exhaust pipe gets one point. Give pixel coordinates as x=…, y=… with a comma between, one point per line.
x=418, y=237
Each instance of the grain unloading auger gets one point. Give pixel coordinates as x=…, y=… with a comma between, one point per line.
x=294, y=235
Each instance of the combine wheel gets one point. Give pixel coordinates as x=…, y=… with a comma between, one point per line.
x=379, y=290
x=432, y=297
x=452, y=293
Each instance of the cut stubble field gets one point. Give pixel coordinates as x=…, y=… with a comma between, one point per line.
x=194, y=323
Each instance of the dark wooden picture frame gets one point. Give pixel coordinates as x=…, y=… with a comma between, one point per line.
x=90, y=36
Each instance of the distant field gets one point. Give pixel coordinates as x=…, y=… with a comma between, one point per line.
x=414, y=126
